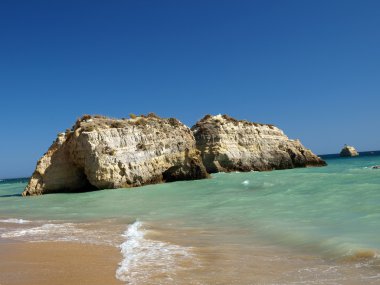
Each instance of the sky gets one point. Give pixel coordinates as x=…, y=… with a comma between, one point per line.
x=310, y=67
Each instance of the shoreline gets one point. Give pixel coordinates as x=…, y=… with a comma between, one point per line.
x=162, y=256
x=46, y=263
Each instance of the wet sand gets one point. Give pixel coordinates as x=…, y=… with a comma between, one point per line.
x=216, y=258
x=223, y=261
x=46, y=263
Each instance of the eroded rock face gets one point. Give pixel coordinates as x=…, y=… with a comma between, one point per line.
x=227, y=144
x=104, y=153
x=348, y=151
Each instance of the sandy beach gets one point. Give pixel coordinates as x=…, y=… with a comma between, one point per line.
x=46, y=263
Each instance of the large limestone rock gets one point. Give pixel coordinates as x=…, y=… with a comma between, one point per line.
x=103, y=153
x=227, y=144
x=348, y=151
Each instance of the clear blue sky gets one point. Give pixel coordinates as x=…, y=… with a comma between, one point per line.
x=310, y=67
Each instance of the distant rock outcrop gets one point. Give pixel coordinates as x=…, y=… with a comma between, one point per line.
x=348, y=151
x=227, y=144
x=103, y=153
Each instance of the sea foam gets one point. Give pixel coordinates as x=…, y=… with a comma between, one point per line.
x=52, y=231
x=14, y=221
x=145, y=259
x=43, y=231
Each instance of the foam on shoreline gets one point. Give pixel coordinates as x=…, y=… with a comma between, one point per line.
x=14, y=221
x=145, y=259
x=58, y=231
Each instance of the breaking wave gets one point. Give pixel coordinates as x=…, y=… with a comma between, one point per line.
x=150, y=261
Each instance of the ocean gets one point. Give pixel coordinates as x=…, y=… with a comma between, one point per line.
x=298, y=226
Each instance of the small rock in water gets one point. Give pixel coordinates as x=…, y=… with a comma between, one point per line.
x=348, y=151
x=376, y=167
x=245, y=182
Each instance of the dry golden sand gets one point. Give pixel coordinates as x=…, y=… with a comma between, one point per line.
x=47, y=263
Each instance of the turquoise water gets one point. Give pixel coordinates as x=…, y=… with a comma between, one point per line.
x=330, y=211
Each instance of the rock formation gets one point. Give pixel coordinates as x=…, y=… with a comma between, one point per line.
x=103, y=153
x=227, y=144
x=348, y=151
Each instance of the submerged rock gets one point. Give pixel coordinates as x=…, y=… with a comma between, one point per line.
x=104, y=153
x=348, y=151
x=227, y=144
